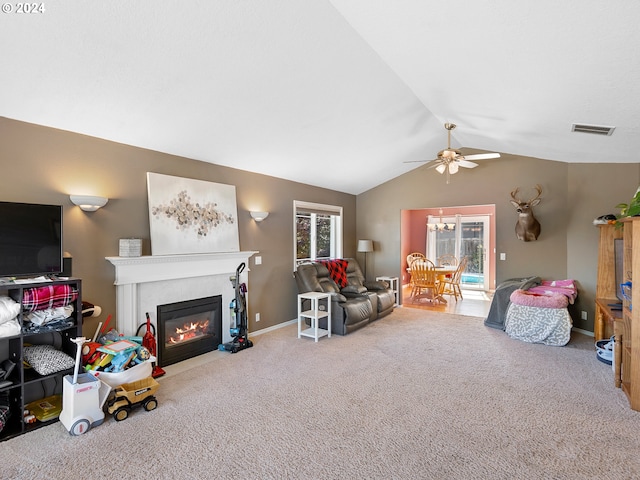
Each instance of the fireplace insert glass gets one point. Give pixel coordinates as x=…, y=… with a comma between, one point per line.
x=189, y=328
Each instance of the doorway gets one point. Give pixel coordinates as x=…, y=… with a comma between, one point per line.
x=466, y=236
x=474, y=236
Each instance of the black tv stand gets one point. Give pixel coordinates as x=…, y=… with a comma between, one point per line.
x=26, y=385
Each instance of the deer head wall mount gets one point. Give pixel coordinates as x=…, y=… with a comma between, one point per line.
x=527, y=227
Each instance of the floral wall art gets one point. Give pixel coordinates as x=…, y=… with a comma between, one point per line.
x=191, y=216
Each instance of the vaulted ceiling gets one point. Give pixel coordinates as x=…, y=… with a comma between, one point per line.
x=334, y=93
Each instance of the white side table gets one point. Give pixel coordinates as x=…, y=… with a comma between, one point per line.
x=314, y=314
x=393, y=285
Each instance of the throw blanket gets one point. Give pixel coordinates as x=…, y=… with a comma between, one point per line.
x=540, y=315
x=554, y=287
x=500, y=302
x=337, y=271
x=529, y=299
x=533, y=311
x=549, y=326
x=51, y=296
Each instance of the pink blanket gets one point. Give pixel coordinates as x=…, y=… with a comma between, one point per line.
x=554, y=287
x=528, y=299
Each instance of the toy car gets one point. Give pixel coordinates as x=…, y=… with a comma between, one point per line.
x=131, y=395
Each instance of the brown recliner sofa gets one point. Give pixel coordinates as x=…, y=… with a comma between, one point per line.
x=353, y=306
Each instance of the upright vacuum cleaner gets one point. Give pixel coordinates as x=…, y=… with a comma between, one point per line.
x=238, y=311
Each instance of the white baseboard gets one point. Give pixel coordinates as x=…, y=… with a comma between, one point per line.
x=584, y=332
x=274, y=327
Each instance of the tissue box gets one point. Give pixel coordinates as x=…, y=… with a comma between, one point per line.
x=130, y=247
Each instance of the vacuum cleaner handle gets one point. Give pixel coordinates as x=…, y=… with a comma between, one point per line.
x=150, y=326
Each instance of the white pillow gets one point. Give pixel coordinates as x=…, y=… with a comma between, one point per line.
x=10, y=328
x=9, y=309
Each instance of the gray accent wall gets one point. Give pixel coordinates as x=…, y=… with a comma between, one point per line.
x=573, y=195
x=45, y=165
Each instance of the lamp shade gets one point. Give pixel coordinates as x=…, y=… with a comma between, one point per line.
x=365, y=245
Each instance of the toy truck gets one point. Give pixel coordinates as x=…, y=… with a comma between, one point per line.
x=131, y=395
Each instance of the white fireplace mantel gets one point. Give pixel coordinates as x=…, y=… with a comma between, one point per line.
x=142, y=282
x=153, y=268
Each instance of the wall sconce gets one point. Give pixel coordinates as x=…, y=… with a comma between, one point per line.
x=88, y=203
x=259, y=216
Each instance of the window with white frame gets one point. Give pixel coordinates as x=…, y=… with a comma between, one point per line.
x=317, y=230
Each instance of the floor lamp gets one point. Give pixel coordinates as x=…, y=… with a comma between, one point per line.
x=365, y=246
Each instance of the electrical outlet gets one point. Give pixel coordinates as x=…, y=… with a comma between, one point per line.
x=258, y=260
x=257, y=317
x=503, y=256
x=584, y=315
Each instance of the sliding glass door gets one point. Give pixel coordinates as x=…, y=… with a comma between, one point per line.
x=469, y=238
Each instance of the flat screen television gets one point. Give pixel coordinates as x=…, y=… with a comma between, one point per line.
x=30, y=239
x=618, y=251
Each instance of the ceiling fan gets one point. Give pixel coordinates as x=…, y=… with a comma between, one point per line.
x=450, y=160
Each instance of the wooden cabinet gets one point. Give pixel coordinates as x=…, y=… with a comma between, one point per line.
x=606, y=283
x=26, y=385
x=628, y=327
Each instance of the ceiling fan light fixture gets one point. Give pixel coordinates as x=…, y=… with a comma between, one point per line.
x=450, y=159
x=449, y=153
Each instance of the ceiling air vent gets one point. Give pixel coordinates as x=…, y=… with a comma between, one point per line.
x=595, y=129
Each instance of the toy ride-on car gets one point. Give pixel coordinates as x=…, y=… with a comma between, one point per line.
x=131, y=395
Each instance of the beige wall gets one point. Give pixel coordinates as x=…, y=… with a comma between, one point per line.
x=44, y=165
x=594, y=190
x=573, y=195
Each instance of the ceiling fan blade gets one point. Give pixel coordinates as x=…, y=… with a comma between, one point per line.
x=466, y=164
x=482, y=156
x=435, y=163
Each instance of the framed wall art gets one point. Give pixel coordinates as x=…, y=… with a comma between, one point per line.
x=191, y=216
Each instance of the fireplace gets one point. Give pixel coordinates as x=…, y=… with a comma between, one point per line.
x=143, y=283
x=188, y=328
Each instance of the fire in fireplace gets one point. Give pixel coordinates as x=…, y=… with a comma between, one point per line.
x=188, y=329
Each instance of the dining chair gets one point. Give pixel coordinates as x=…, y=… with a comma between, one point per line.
x=413, y=256
x=424, y=280
x=451, y=285
x=410, y=258
x=447, y=259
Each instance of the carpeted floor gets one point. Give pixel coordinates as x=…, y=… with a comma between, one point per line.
x=414, y=395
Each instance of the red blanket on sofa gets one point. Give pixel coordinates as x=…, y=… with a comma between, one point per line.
x=337, y=270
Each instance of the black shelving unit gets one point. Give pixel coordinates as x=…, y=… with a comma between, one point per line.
x=27, y=385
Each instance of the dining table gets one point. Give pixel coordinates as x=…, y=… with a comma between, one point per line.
x=441, y=271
